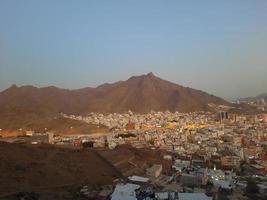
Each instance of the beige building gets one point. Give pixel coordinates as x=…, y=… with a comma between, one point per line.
x=230, y=161
x=154, y=171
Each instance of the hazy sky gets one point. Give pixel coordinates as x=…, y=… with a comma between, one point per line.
x=216, y=46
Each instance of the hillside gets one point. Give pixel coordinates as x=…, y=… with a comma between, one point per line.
x=47, y=168
x=148, y=92
x=28, y=104
x=258, y=97
x=58, y=125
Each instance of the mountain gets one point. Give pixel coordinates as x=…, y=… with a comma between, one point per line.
x=262, y=96
x=139, y=94
x=258, y=97
x=148, y=92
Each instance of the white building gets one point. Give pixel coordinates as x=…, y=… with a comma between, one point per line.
x=138, y=179
x=193, y=196
x=123, y=192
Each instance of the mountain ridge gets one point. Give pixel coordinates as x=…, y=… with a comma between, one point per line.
x=27, y=105
x=254, y=98
x=138, y=93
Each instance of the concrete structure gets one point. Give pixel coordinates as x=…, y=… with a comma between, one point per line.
x=42, y=138
x=223, y=184
x=138, y=179
x=223, y=115
x=50, y=137
x=29, y=133
x=193, y=179
x=154, y=171
x=230, y=161
x=162, y=195
x=123, y=192
x=193, y=196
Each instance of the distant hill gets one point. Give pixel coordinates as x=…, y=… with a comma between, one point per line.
x=139, y=94
x=258, y=97
x=262, y=96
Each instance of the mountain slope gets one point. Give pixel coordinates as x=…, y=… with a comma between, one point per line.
x=148, y=92
x=258, y=97
x=48, y=168
x=139, y=94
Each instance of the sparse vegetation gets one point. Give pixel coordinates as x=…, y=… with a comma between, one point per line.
x=252, y=189
x=126, y=135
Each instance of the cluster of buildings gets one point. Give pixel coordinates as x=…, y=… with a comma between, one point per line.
x=219, y=149
x=187, y=180
x=130, y=121
x=259, y=104
x=222, y=140
x=185, y=183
